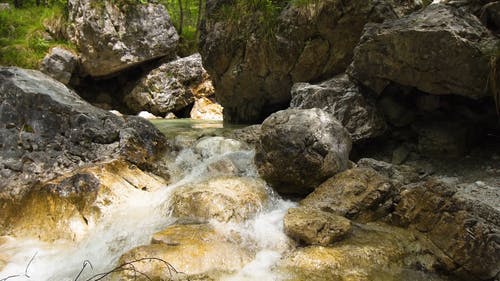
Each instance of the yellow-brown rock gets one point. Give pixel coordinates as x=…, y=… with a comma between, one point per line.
x=206, y=109
x=222, y=198
x=191, y=249
x=69, y=206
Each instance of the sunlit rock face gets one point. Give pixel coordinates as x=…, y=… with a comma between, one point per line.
x=424, y=49
x=301, y=148
x=60, y=64
x=70, y=206
x=254, y=60
x=191, y=249
x=359, y=193
x=221, y=198
x=113, y=37
x=373, y=252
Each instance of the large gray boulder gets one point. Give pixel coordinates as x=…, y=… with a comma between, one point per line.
x=260, y=55
x=464, y=224
x=300, y=148
x=48, y=130
x=439, y=50
x=60, y=64
x=168, y=88
x=112, y=37
x=343, y=98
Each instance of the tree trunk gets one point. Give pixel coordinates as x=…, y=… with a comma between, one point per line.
x=198, y=20
x=181, y=16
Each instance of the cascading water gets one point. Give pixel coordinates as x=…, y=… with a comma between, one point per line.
x=134, y=217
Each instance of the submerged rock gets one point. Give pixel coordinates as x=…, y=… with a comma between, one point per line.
x=113, y=37
x=343, y=98
x=439, y=50
x=300, y=148
x=59, y=64
x=170, y=87
x=47, y=130
x=462, y=225
x=190, y=249
x=359, y=193
x=315, y=227
x=222, y=198
x=258, y=57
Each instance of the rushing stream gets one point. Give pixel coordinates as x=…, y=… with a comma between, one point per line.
x=138, y=215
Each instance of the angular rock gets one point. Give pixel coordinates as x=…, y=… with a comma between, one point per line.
x=222, y=198
x=112, y=37
x=168, y=88
x=48, y=130
x=359, y=193
x=206, y=109
x=59, y=64
x=258, y=58
x=460, y=224
x=439, y=50
x=398, y=174
x=344, y=99
x=315, y=227
x=202, y=251
x=372, y=252
x=70, y=206
x=301, y=148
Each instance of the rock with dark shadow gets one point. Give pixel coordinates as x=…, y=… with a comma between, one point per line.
x=301, y=148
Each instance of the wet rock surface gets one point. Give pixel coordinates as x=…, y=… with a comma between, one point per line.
x=222, y=198
x=69, y=207
x=300, y=148
x=107, y=35
x=203, y=251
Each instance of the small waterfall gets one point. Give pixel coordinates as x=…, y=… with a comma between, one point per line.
x=137, y=215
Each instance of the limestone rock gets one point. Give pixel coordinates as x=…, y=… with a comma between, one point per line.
x=490, y=16
x=460, y=224
x=59, y=64
x=398, y=174
x=48, y=130
x=202, y=251
x=439, y=50
x=358, y=193
x=113, y=37
x=315, y=227
x=222, y=198
x=206, y=109
x=250, y=134
x=372, y=252
x=343, y=98
x=70, y=206
x=306, y=42
x=169, y=87
x=300, y=148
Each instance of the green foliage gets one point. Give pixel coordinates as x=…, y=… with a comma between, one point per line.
x=23, y=40
x=246, y=17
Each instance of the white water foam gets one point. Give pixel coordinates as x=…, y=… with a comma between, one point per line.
x=136, y=216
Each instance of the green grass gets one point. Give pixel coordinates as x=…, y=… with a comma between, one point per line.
x=22, y=35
